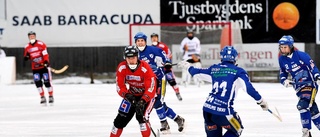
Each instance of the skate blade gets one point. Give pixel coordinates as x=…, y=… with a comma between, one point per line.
x=51, y=104
x=164, y=132
x=179, y=98
x=43, y=104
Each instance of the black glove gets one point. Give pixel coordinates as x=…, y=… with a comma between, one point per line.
x=318, y=77
x=130, y=97
x=140, y=107
x=25, y=58
x=168, y=65
x=46, y=63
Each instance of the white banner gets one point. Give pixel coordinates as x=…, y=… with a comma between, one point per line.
x=252, y=57
x=2, y=30
x=65, y=23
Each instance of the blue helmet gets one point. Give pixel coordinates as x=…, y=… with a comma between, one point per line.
x=140, y=35
x=229, y=53
x=286, y=40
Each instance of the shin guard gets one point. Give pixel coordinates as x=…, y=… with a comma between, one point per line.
x=116, y=132
x=145, y=130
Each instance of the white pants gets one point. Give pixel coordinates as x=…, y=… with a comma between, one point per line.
x=186, y=77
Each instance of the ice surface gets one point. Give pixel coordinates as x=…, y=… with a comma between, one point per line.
x=88, y=110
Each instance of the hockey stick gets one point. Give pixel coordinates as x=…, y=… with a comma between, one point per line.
x=276, y=115
x=174, y=64
x=304, y=82
x=313, y=96
x=59, y=71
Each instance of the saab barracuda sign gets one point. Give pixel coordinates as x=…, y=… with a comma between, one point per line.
x=2, y=31
x=260, y=20
x=62, y=20
x=77, y=23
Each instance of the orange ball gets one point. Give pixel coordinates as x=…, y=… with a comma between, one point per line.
x=286, y=15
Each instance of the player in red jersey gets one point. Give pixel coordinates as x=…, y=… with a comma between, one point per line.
x=138, y=97
x=168, y=72
x=36, y=52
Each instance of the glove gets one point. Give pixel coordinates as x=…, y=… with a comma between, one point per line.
x=168, y=65
x=287, y=83
x=318, y=79
x=46, y=63
x=263, y=104
x=140, y=107
x=184, y=65
x=25, y=58
x=130, y=97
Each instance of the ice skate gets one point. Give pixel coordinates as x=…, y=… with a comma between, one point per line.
x=51, y=100
x=165, y=128
x=306, y=132
x=180, y=121
x=43, y=100
x=179, y=96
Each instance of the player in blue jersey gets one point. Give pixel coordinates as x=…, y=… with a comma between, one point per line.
x=226, y=78
x=157, y=59
x=304, y=76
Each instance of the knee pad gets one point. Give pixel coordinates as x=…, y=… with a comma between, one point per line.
x=37, y=79
x=46, y=79
x=303, y=104
x=121, y=120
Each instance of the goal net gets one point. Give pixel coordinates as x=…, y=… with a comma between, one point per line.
x=213, y=36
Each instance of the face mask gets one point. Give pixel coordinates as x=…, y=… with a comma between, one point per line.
x=190, y=37
x=141, y=48
x=155, y=43
x=32, y=41
x=133, y=66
